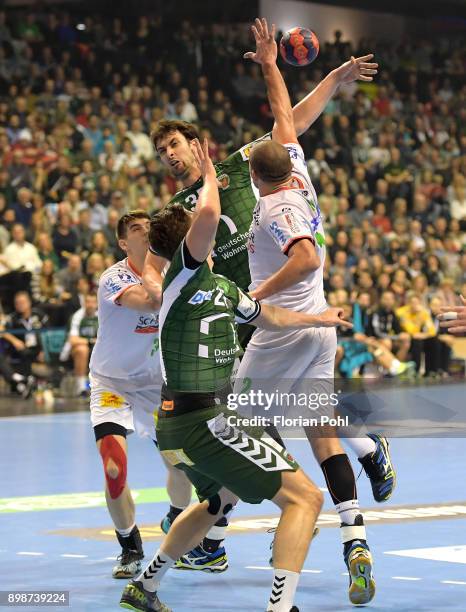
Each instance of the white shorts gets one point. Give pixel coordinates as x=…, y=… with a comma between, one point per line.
x=297, y=377
x=310, y=355
x=123, y=403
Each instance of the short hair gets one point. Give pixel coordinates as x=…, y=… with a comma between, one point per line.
x=271, y=161
x=167, y=230
x=125, y=220
x=167, y=126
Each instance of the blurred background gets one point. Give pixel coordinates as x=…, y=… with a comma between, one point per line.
x=82, y=84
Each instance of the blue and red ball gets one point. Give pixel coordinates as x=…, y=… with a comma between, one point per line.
x=299, y=46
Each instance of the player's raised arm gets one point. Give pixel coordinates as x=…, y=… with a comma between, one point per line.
x=311, y=107
x=201, y=235
x=152, y=276
x=266, y=55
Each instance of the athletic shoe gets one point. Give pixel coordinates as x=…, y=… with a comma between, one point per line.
x=166, y=523
x=358, y=560
x=379, y=469
x=135, y=597
x=199, y=559
x=293, y=609
x=272, y=530
x=25, y=387
x=129, y=564
x=406, y=368
x=131, y=555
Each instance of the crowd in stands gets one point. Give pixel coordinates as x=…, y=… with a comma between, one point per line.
x=388, y=160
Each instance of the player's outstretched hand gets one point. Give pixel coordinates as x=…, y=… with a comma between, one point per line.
x=332, y=317
x=202, y=157
x=357, y=69
x=266, y=46
x=454, y=319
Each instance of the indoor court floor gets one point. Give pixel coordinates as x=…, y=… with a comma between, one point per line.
x=55, y=532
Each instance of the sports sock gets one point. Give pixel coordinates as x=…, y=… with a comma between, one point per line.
x=174, y=512
x=217, y=533
x=81, y=383
x=215, y=536
x=130, y=541
x=361, y=446
x=126, y=532
x=155, y=571
x=341, y=484
x=283, y=591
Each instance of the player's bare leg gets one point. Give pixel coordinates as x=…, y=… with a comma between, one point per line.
x=179, y=491
x=120, y=504
x=300, y=502
x=80, y=356
x=341, y=484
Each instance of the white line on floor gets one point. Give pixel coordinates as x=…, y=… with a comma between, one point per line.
x=266, y=567
x=452, y=582
x=405, y=578
x=72, y=556
x=31, y=554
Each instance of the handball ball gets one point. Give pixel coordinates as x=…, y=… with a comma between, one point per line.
x=299, y=46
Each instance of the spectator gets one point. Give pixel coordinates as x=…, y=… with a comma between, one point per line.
x=98, y=212
x=417, y=321
x=64, y=239
x=19, y=254
x=22, y=343
x=45, y=249
x=81, y=338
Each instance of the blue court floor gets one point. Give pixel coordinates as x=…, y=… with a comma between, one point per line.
x=55, y=532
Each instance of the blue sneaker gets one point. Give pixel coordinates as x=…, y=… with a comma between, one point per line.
x=358, y=560
x=199, y=559
x=379, y=469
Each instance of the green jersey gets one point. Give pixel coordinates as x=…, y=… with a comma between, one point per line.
x=198, y=316
x=237, y=201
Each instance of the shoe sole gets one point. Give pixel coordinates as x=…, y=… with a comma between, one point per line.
x=129, y=606
x=213, y=570
x=386, y=446
x=362, y=588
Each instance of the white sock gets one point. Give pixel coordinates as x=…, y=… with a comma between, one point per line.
x=125, y=532
x=348, y=511
x=283, y=591
x=394, y=366
x=217, y=533
x=81, y=382
x=361, y=446
x=155, y=571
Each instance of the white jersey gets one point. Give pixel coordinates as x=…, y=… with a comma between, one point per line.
x=279, y=221
x=128, y=340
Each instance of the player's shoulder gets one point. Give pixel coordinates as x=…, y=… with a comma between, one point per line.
x=119, y=272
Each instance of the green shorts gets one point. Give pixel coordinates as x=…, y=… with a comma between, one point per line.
x=215, y=454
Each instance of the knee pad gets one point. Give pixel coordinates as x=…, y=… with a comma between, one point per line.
x=110, y=449
x=214, y=504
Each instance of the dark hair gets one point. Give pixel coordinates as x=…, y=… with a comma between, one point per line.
x=167, y=126
x=124, y=221
x=167, y=230
x=271, y=162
